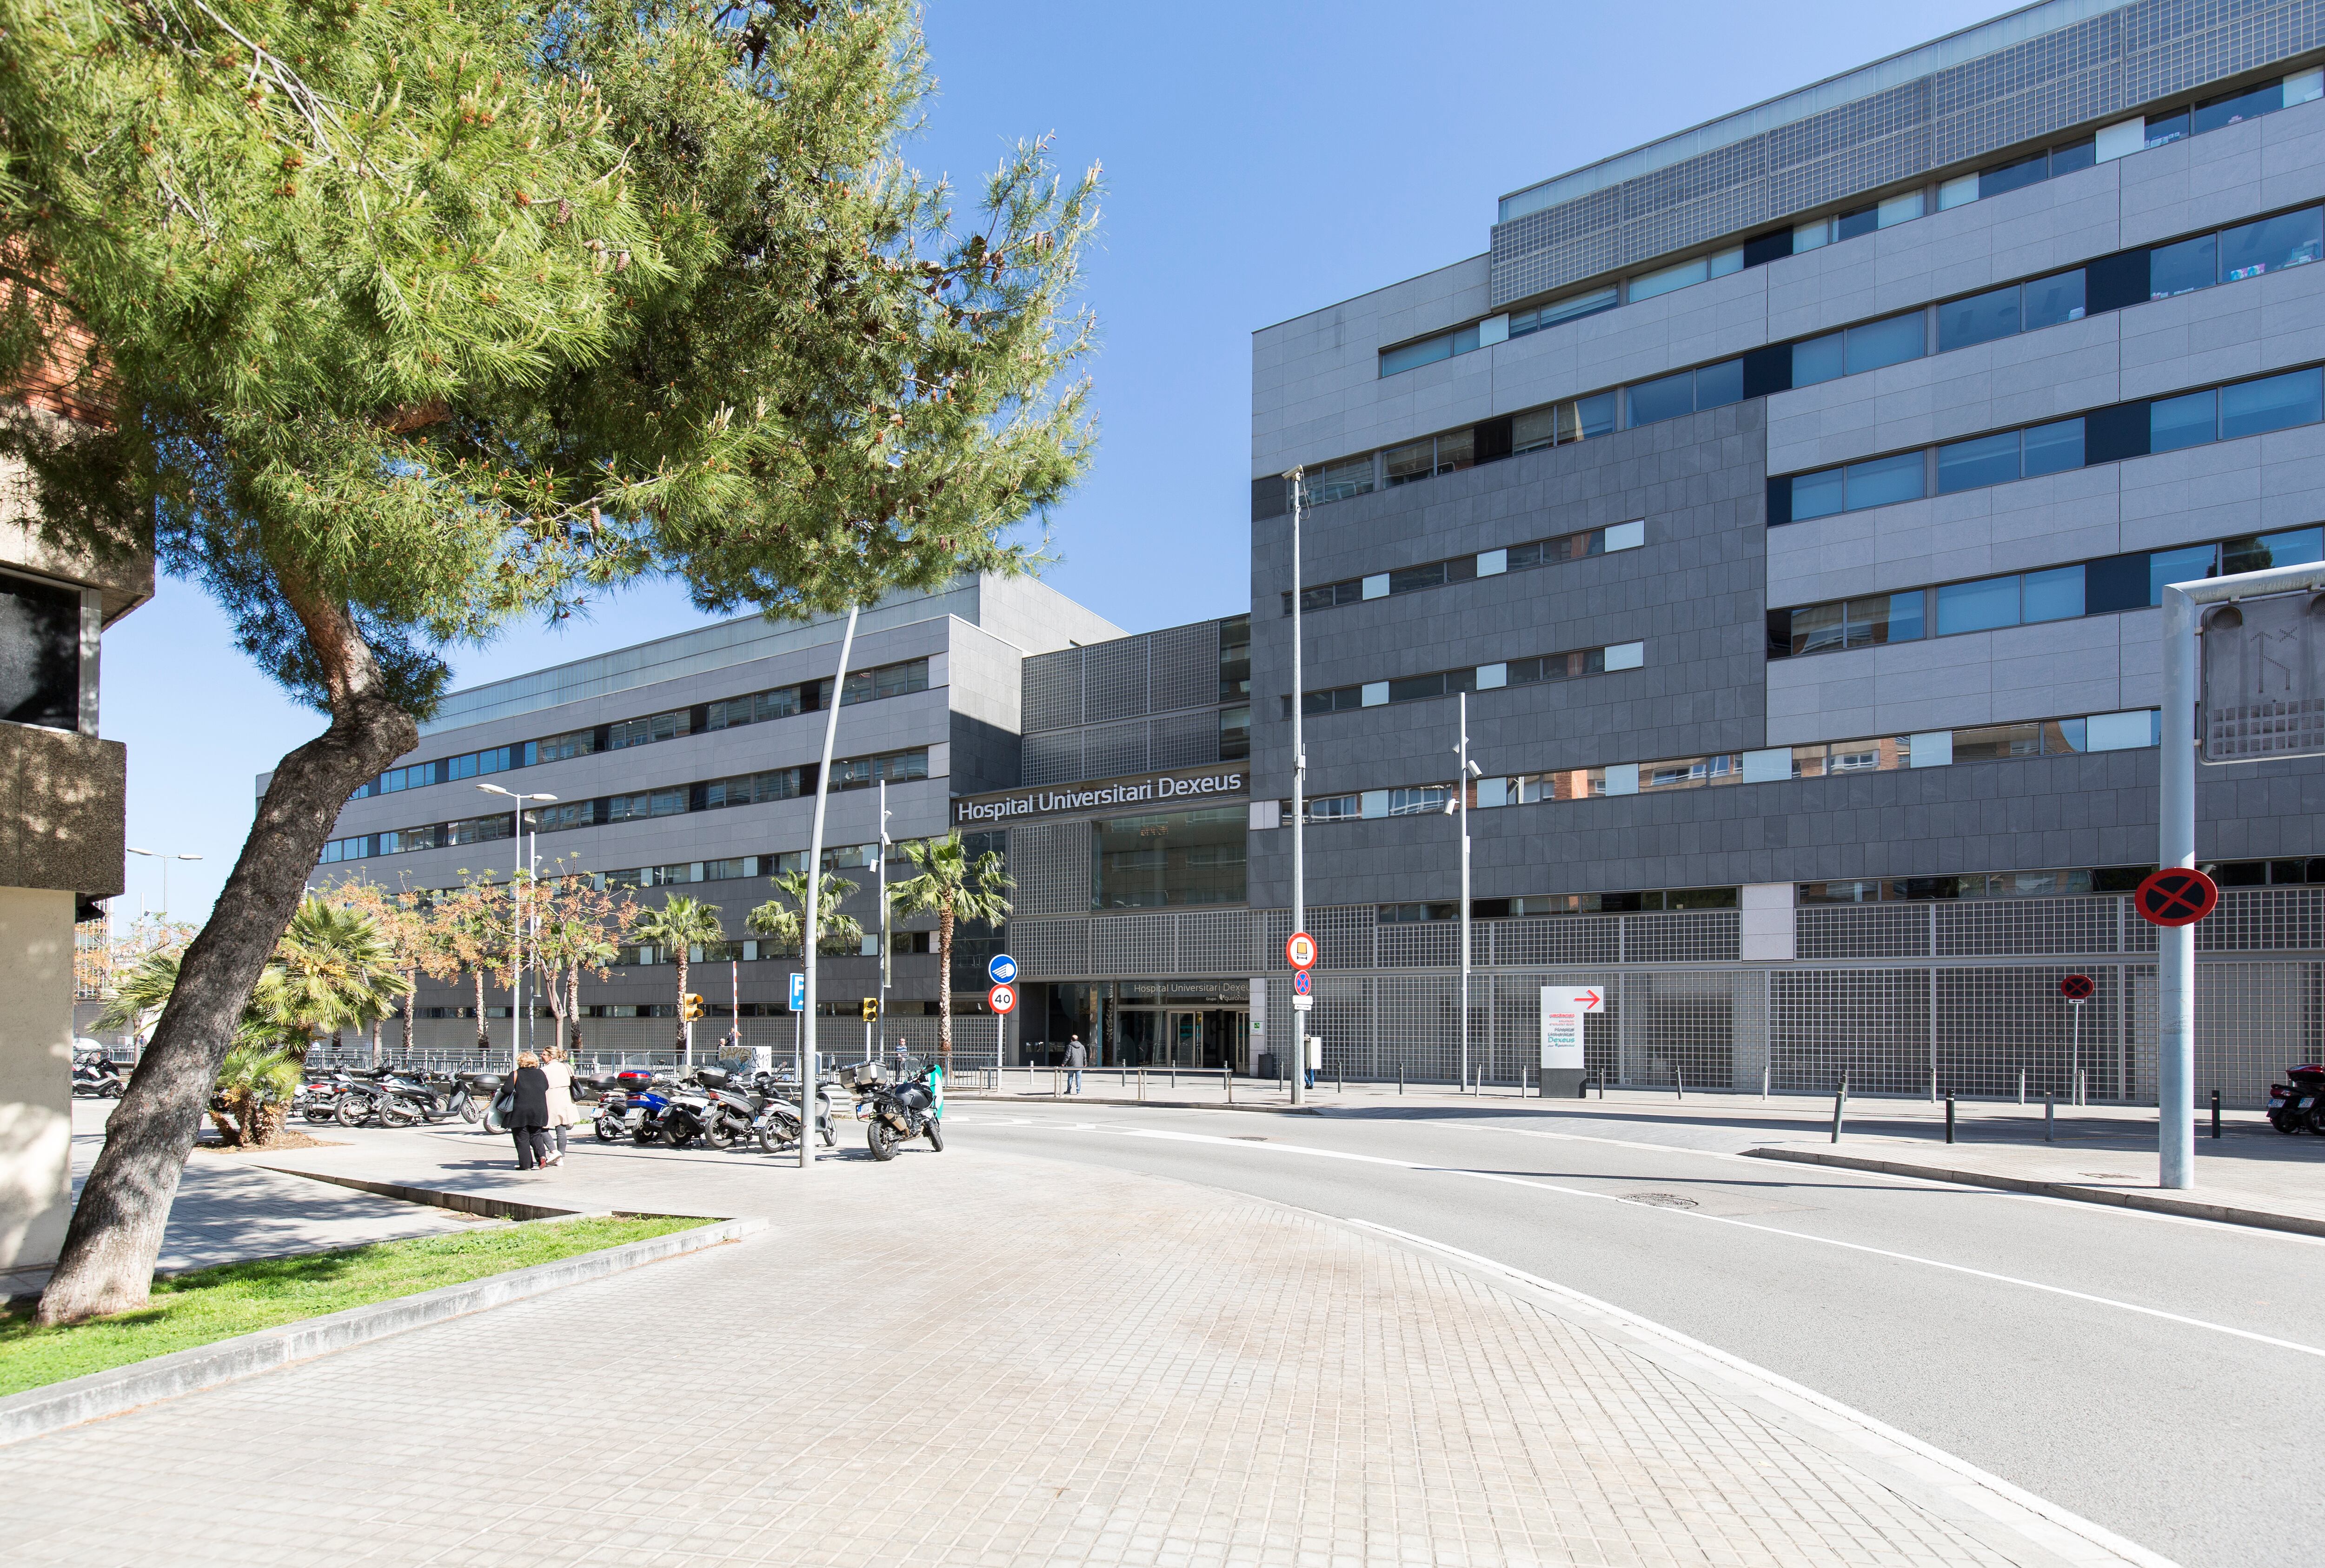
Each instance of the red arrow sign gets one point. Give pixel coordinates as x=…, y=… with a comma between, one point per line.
x=1587, y=998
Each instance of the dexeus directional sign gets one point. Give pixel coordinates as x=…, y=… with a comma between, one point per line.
x=1563, y=1007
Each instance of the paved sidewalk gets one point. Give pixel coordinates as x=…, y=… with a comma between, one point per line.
x=975, y=1358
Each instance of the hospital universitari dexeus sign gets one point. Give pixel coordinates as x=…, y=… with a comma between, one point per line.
x=1144, y=789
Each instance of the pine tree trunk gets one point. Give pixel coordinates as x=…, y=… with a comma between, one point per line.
x=944, y=988
x=107, y=1264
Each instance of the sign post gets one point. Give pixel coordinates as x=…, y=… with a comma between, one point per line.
x=1562, y=1011
x=1003, y=972
x=1300, y=951
x=2260, y=694
x=2076, y=988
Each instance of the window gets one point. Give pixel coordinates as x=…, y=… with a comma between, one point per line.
x=1167, y=860
x=1573, y=308
x=1235, y=660
x=645, y=803
x=562, y=816
x=2257, y=553
x=1691, y=773
x=1540, y=552
x=1662, y=281
x=644, y=732
x=1428, y=457
x=1712, y=387
x=1428, y=350
x=1574, y=420
x=1861, y=623
x=559, y=748
x=1235, y=733
x=2005, y=312
x=1891, y=341
x=887, y=681
x=753, y=789
x=1416, y=914
x=1338, y=481
x=480, y=829
x=1994, y=602
x=862, y=772
x=2247, y=409
x=2012, y=175
x=1427, y=800
x=2292, y=239
x=1998, y=459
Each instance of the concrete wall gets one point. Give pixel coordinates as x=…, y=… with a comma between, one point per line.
x=36, y=990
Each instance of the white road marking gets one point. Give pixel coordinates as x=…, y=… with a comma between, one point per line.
x=1276, y=1147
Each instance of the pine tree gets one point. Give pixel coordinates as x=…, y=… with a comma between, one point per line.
x=408, y=321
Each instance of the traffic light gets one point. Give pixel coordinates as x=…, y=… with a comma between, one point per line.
x=689, y=1007
x=871, y=1009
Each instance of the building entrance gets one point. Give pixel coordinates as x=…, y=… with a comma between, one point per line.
x=1161, y=1037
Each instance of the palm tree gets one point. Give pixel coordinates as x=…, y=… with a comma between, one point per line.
x=954, y=888
x=782, y=920
x=680, y=924
x=338, y=970
x=140, y=995
x=254, y=1088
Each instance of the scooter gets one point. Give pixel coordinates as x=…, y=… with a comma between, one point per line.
x=2298, y=1106
x=777, y=1126
x=94, y=1076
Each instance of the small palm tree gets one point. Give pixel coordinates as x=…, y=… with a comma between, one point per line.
x=339, y=970
x=141, y=994
x=256, y=1084
x=954, y=888
x=782, y=919
x=680, y=924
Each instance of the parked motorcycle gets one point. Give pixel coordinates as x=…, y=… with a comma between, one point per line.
x=318, y=1098
x=437, y=1101
x=894, y=1112
x=2298, y=1106
x=777, y=1123
x=365, y=1097
x=647, y=1108
x=94, y=1076
x=474, y=1093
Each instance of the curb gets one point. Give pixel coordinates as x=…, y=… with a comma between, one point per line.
x=1148, y=1104
x=467, y=1203
x=98, y=1395
x=2154, y=1202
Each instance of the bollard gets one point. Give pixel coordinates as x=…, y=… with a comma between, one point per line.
x=1839, y=1107
x=1226, y=1077
x=1764, y=1080
x=2049, y=1116
x=1056, y=1078
x=1400, y=1077
x=1141, y=1085
x=2216, y=1113
x=1679, y=1081
x=2022, y=1086
x=2078, y=1088
x=1174, y=1077
x=1950, y=1119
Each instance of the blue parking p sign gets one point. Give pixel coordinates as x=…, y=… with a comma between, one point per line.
x=798, y=993
x=1002, y=970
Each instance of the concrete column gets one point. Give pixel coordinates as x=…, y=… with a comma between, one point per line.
x=36, y=991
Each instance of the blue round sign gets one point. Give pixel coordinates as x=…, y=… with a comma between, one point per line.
x=1002, y=970
x=1301, y=985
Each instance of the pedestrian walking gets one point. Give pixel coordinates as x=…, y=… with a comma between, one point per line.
x=561, y=1113
x=901, y=1054
x=1077, y=1058
x=528, y=1116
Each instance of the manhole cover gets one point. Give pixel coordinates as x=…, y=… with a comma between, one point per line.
x=1660, y=1200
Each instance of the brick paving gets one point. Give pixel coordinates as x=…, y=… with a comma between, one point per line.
x=1092, y=1369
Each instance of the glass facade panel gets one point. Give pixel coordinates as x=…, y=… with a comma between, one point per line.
x=1665, y=398
x=2257, y=554
x=1818, y=628
x=2053, y=448
x=1167, y=860
x=2273, y=244
x=1981, y=319
x=2052, y=299
x=1979, y=606
x=1820, y=359
x=1995, y=742
x=1647, y=285
x=2054, y=595
x=1885, y=480
x=2012, y=175
x=2274, y=403
x=2180, y=566
x=2249, y=103
x=1718, y=386
x=2186, y=421
x=1891, y=342
x=2183, y=268
x=1817, y=495
x=1970, y=464
x=1339, y=481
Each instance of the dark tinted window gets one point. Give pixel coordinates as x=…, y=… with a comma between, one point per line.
x=2011, y=176
x=2271, y=404
x=2052, y=299
x=1718, y=386
x=1665, y=399
x=2229, y=107
x=1981, y=319
x=2291, y=239
x=40, y=654
x=1891, y=342
x=2183, y=268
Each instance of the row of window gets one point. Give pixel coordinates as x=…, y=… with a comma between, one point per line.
x=743, y=789
x=2240, y=251
x=2131, y=730
x=1643, y=901
x=1518, y=557
x=2104, y=586
x=2076, y=883
x=1571, y=665
x=678, y=874
x=887, y=680
x=2108, y=435
x=2209, y=113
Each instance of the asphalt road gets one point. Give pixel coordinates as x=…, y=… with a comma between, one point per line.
x=2161, y=1376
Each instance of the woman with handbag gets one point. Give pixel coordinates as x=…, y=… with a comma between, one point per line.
x=561, y=1113
x=528, y=1116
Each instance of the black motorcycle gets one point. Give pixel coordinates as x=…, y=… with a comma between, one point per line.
x=437, y=1101
x=688, y=1118
x=94, y=1076
x=892, y=1113
x=2298, y=1106
x=365, y=1097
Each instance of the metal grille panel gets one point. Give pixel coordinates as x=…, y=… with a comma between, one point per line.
x=1114, y=680
x=1994, y=1024
x=1862, y=931
x=1115, y=748
x=2258, y=919
x=1215, y=942
x=1052, y=863
x=1677, y=1022
x=2009, y=925
x=1052, y=949
x=1436, y=944
x=1054, y=759
x=1185, y=671
x=1052, y=688
x=1872, y=1024
x=1184, y=740
x=1696, y=936
x=1576, y=939
x=1141, y=945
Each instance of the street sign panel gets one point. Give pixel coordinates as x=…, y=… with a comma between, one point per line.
x=2176, y=896
x=1001, y=998
x=1562, y=1010
x=2075, y=987
x=2263, y=679
x=1302, y=985
x=799, y=993
x=1003, y=970
x=1300, y=950
x=1302, y=1001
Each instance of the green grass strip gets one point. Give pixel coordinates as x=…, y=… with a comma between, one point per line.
x=209, y=1304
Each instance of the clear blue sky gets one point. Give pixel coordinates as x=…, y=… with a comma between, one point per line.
x=1262, y=160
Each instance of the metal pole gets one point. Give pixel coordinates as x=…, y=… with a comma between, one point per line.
x=1461, y=796
x=808, y=932
x=2075, y=1047
x=2050, y=1115
x=1950, y=1117
x=884, y=918
x=2175, y=945
x=1299, y=788
x=516, y=980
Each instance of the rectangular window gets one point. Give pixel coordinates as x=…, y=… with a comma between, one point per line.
x=1235, y=733
x=2292, y=239
x=1573, y=308
x=1819, y=628
x=2257, y=554
x=1818, y=494
x=1884, y=343
x=1428, y=351
x=2053, y=299
x=2185, y=564
x=559, y=748
x=2074, y=156
x=562, y=816
x=481, y=829
x=1647, y=285
x=1665, y=398
x=1884, y=481
x=2003, y=177
x=644, y=732
x=1820, y=359
x=2183, y=422
x=2053, y=448
x=2056, y=595
x=2183, y=268
x=1981, y=319
x=1974, y=463
x=1719, y=385
x=2245, y=104
x=1885, y=618
x=1979, y=606
x=1169, y=860
x=1995, y=742
x=1428, y=800
x=1339, y=481
x=2276, y=403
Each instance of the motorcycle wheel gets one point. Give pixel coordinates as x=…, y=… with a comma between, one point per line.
x=610, y=1131
x=396, y=1113
x=110, y=1092
x=468, y=1112
x=645, y=1136
x=936, y=1135
x=351, y=1113
x=717, y=1135
x=777, y=1136
x=321, y=1113
x=880, y=1138
x=2282, y=1123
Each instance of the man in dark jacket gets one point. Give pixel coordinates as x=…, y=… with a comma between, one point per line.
x=1077, y=1058
x=528, y=1117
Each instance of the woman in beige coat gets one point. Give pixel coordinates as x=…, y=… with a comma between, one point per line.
x=561, y=1114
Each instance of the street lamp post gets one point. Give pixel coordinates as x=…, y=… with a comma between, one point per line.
x=808, y=932
x=1298, y=800
x=884, y=912
x=165, y=858
x=518, y=1022
x=1459, y=806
